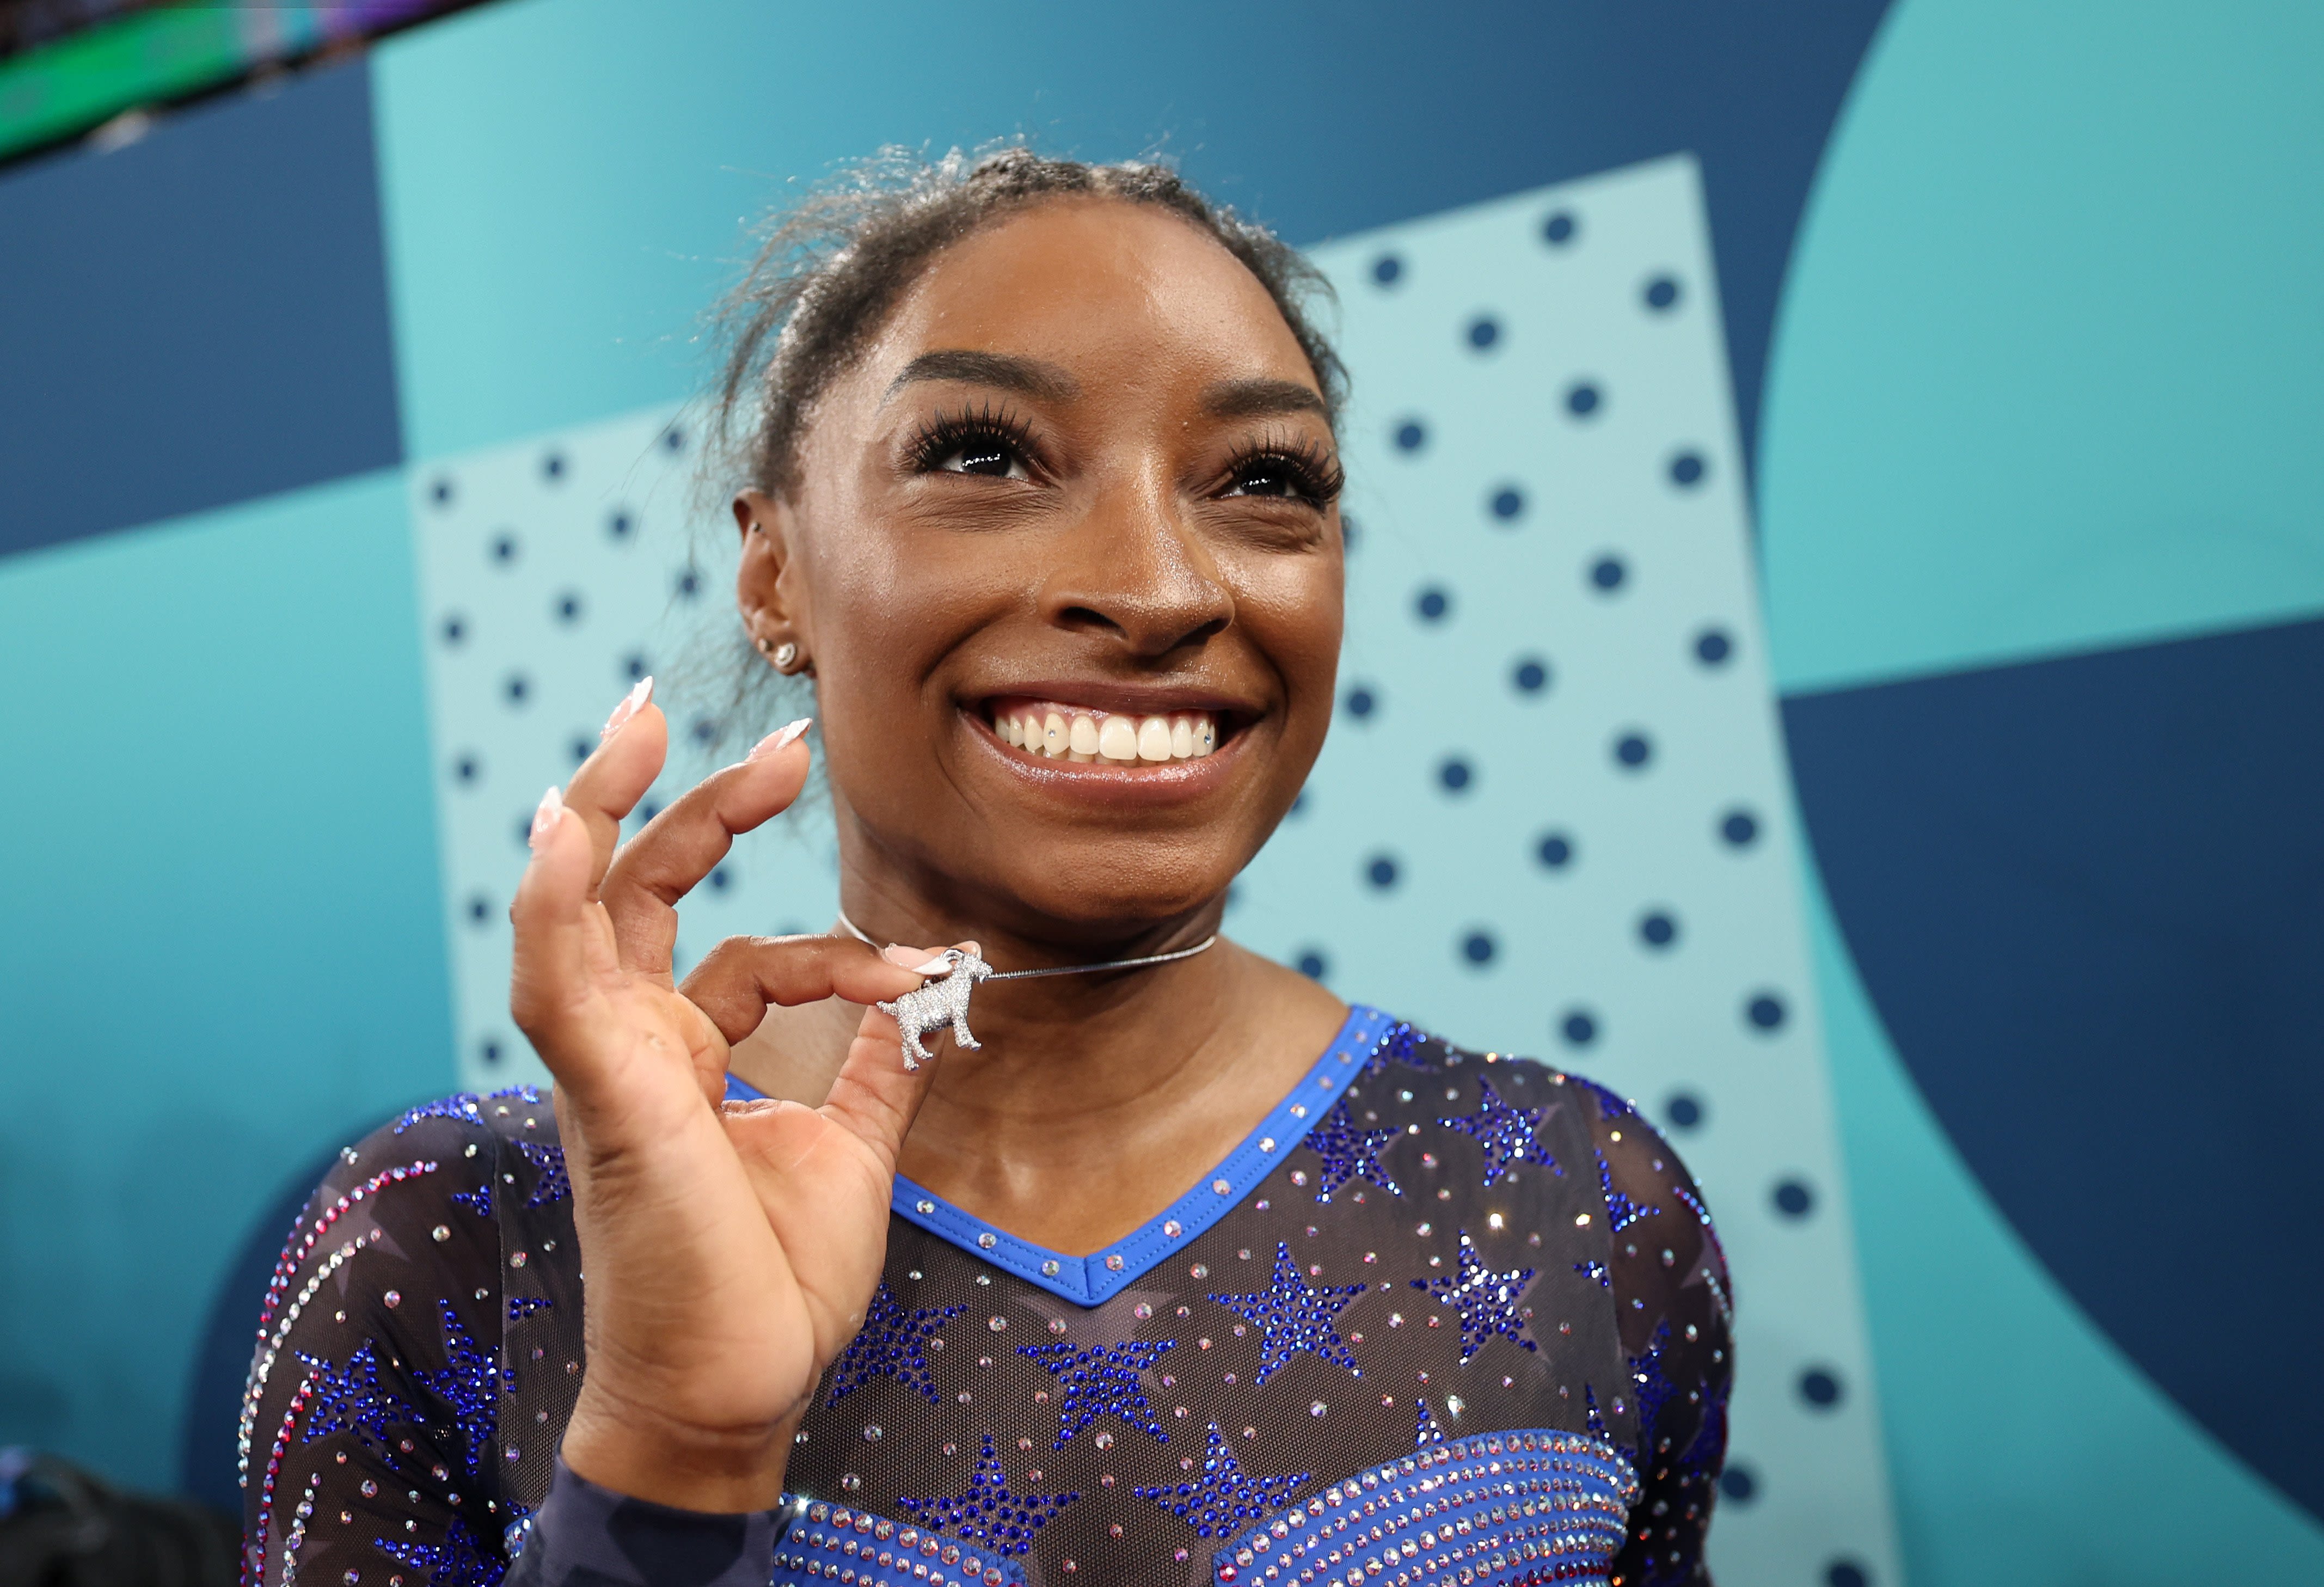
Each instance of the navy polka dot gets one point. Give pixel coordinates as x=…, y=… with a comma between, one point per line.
x=721, y=878
x=1661, y=293
x=1607, y=573
x=440, y=492
x=690, y=584
x=1793, y=1199
x=1634, y=750
x=1454, y=774
x=454, y=630
x=673, y=439
x=1381, y=873
x=1712, y=647
x=1530, y=676
x=1560, y=228
x=1846, y=1573
x=1582, y=399
x=1687, y=469
x=636, y=666
x=647, y=811
x=517, y=688
x=1300, y=804
x=1740, y=828
x=705, y=730
x=1683, y=1110
x=553, y=466
x=490, y=1051
x=1313, y=965
x=480, y=908
x=1484, y=331
x=1478, y=947
x=1820, y=1387
x=1347, y=532
x=1555, y=850
x=1411, y=436
x=580, y=747
x=1432, y=605
x=569, y=606
x=1361, y=702
x=619, y=525
x=1388, y=269
x=503, y=548
x=1738, y=1483
x=466, y=768
x=1657, y=930
x=1767, y=1012
x=524, y=830
x=1508, y=503
x=1579, y=1028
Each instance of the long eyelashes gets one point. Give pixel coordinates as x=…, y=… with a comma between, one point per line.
x=981, y=428
x=1300, y=466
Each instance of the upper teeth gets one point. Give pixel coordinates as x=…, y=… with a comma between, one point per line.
x=1068, y=732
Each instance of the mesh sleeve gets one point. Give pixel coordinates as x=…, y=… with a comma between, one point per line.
x=367, y=1427
x=1671, y=1291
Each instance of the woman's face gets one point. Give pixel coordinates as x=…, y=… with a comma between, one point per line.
x=1066, y=556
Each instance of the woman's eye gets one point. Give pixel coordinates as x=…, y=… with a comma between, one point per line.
x=985, y=454
x=1269, y=476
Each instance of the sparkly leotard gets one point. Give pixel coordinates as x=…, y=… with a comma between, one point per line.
x=1443, y=1316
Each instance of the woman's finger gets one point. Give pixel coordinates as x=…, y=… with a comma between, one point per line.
x=737, y=980
x=629, y=756
x=875, y=1098
x=681, y=845
x=549, y=985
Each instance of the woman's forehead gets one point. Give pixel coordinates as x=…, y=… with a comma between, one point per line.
x=1090, y=282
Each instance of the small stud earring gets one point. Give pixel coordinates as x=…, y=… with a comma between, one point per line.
x=785, y=656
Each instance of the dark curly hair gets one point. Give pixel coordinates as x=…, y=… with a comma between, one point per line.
x=830, y=269
x=828, y=272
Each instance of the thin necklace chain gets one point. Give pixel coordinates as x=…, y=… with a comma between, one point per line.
x=1064, y=969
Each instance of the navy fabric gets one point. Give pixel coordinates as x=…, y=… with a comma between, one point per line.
x=196, y=320
x=2087, y=897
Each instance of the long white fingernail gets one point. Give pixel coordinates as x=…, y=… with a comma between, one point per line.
x=779, y=739
x=632, y=704
x=545, y=818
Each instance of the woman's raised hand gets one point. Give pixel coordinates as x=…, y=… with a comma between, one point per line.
x=729, y=1251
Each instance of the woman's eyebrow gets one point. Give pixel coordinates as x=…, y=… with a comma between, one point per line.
x=1257, y=398
x=1028, y=376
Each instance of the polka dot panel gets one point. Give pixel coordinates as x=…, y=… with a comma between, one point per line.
x=1599, y=867
x=553, y=574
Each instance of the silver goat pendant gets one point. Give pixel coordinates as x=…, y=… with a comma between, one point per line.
x=938, y=1003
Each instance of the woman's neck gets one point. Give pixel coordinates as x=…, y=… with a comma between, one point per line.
x=1093, y=1101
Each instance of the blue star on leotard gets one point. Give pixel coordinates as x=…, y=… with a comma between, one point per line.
x=1098, y=1382
x=1295, y=1316
x=1621, y=1212
x=457, y=1562
x=989, y=1513
x=1489, y=1302
x=351, y=1399
x=549, y=1163
x=1503, y=1132
x=469, y=1386
x=1400, y=1043
x=1428, y=1432
x=1349, y=1150
x=893, y=1342
x=1222, y=1499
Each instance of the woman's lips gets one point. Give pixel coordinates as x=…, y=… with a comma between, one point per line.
x=1054, y=730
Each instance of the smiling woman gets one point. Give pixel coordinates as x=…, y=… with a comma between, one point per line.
x=1179, y=1270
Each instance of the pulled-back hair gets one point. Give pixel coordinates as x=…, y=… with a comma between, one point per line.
x=830, y=269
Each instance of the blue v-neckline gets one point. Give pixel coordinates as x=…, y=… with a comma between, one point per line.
x=1091, y=1280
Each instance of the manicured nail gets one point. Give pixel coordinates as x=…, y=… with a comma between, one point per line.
x=919, y=961
x=545, y=818
x=632, y=704
x=779, y=739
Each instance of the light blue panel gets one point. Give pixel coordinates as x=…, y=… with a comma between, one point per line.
x=221, y=947
x=1620, y=303
x=2026, y=1450
x=553, y=573
x=2044, y=374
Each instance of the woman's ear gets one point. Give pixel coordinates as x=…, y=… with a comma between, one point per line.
x=760, y=594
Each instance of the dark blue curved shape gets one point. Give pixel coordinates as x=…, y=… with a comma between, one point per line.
x=2087, y=897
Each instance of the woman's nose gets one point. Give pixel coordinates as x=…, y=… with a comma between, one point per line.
x=1136, y=569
